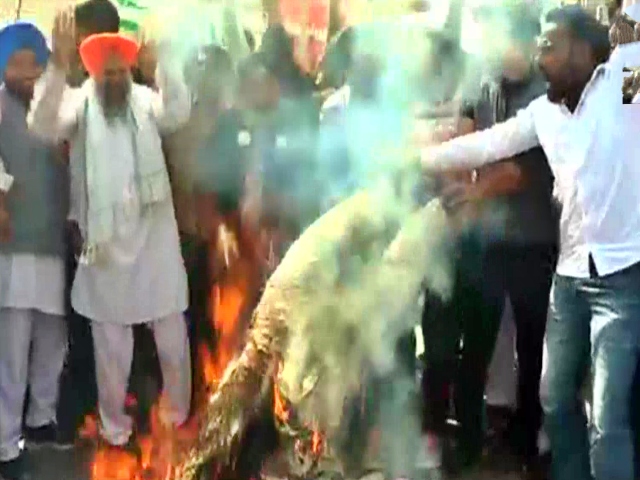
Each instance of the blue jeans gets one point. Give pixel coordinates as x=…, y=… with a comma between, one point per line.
x=594, y=323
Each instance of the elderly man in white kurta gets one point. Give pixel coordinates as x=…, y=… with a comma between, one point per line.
x=131, y=270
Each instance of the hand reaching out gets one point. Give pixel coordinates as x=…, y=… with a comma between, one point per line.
x=64, y=38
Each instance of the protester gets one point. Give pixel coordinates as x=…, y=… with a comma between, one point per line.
x=527, y=225
x=92, y=17
x=33, y=209
x=131, y=271
x=594, y=297
x=78, y=389
x=508, y=227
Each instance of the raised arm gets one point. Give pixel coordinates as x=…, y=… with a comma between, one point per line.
x=54, y=111
x=503, y=140
x=172, y=103
x=233, y=33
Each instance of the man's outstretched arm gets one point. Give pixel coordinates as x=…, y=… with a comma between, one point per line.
x=501, y=141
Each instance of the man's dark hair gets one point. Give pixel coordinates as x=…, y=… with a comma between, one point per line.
x=277, y=50
x=252, y=64
x=338, y=57
x=98, y=16
x=583, y=26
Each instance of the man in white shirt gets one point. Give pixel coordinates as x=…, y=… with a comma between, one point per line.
x=131, y=270
x=589, y=139
x=632, y=9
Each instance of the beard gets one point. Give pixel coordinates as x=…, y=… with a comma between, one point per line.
x=23, y=91
x=556, y=94
x=114, y=98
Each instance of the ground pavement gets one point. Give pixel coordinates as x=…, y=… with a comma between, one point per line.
x=74, y=465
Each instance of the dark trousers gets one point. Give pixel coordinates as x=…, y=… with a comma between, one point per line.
x=460, y=337
x=524, y=273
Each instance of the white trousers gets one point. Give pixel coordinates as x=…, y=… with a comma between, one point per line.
x=113, y=345
x=33, y=347
x=502, y=378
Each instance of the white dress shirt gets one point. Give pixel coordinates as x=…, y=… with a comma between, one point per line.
x=633, y=11
x=595, y=157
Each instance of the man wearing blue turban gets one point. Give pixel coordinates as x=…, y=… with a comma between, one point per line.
x=33, y=190
x=22, y=39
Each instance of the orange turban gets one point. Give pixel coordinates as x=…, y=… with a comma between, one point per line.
x=96, y=49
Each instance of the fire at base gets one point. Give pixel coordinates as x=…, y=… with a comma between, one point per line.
x=363, y=260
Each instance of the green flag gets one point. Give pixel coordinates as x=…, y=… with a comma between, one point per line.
x=131, y=14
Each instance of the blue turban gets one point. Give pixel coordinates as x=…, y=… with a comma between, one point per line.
x=20, y=36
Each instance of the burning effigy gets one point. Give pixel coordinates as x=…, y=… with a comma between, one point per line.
x=365, y=259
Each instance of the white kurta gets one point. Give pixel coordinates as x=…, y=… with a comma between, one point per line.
x=32, y=282
x=142, y=277
x=33, y=339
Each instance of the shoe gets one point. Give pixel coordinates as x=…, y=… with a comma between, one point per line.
x=457, y=461
x=130, y=448
x=46, y=436
x=14, y=469
x=537, y=469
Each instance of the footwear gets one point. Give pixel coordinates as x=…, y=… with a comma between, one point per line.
x=537, y=469
x=46, y=436
x=130, y=448
x=14, y=469
x=458, y=461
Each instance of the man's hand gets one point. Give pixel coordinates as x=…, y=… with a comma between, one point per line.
x=457, y=194
x=63, y=39
x=148, y=59
x=5, y=225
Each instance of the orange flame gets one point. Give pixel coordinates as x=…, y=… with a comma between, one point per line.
x=282, y=410
x=156, y=452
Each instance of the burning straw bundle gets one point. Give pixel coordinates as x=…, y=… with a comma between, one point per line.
x=332, y=305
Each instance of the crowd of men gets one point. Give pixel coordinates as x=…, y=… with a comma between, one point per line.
x=119, y=165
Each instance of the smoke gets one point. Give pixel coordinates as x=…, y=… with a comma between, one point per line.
x=361, y=268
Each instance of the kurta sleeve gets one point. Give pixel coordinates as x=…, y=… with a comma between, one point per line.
x=54, y=111
x=172, y=104
x=503, y=140
x=6, y=180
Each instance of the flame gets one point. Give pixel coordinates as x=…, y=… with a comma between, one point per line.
x=155, y=454
x=282, y=409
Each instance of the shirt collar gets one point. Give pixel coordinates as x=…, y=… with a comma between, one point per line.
x=601, y=71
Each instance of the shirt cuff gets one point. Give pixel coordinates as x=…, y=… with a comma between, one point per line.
x=6, y=182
